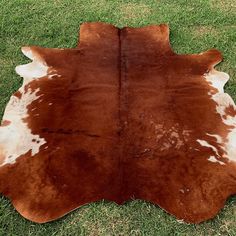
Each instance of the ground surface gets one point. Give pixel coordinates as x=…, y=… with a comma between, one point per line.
x=196, y=25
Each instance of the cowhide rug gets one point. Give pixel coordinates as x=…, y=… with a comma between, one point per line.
x=120, y=117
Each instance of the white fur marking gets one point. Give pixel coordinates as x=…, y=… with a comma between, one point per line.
x=206, y=144
x=16, y=138
x=218, y=138
x=213, y=159
x=223, y=100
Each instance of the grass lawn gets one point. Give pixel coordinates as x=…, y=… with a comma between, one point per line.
x=196, y=25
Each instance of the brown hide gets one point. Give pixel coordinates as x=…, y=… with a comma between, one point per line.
x=119, y=117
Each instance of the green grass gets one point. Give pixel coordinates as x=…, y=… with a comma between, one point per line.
x=196, y=25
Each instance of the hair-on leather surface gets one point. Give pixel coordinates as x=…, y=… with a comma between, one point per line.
x=120, y=117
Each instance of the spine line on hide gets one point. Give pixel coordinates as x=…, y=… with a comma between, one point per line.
x=123, y=109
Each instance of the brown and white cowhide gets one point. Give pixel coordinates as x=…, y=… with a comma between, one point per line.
x=121, y=116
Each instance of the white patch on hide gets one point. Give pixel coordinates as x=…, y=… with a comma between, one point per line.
x=204, y=143
x=216, y=136
x=217, y=79
x=223, y=100
x=213, y=159
x=36, y=69
x=16, y=138
x=52, y=76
